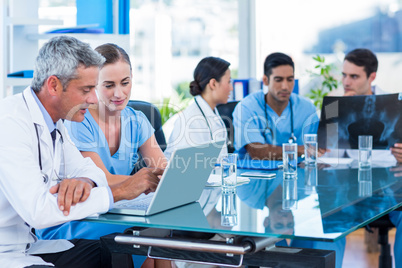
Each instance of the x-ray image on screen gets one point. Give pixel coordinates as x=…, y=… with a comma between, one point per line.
x=343, y=119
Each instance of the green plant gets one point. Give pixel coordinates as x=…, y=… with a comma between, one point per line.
x=182, y=90
x=328, y=81
x=171, y=105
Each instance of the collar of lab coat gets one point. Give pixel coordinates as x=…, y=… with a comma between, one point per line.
x=37, y=118
x=209, y=113
x=213, y=118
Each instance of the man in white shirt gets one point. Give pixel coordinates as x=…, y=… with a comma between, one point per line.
x=44, y=180
x=358, y=72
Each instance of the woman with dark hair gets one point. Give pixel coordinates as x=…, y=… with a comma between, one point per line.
x=200, y=122
x=112, y=134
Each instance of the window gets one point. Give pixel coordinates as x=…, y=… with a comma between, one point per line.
x=303, y=29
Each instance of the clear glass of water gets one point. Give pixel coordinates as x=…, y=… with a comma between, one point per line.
x=365, y=148
x=310, y=149
x=289, y=154
x=229, y=169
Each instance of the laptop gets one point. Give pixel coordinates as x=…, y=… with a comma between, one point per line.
x=182, y=182
x=186, y=215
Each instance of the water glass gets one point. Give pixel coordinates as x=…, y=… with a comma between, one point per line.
x=310, y=149
x=229, y=211
x=289, y=194
x=289, y=154
x=229, y=168
x=365, y=181
x=365, y=148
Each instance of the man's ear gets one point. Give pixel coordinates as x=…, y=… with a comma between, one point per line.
x=372, y=76
x=265, y=80
x=53, y=85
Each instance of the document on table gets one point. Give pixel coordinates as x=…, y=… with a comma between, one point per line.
x=215, y=180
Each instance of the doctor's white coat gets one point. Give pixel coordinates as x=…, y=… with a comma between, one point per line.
x=25, y=200
x=192, y=129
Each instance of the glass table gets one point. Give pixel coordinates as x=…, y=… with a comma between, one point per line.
x=323, y=204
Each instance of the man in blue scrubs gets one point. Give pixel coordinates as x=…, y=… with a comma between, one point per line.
x=263, y=122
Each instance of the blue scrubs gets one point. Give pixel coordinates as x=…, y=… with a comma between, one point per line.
x=88, y=137
x=253, y=125
x=250, y=122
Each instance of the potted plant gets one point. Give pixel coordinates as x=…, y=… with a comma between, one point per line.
x=328, y=82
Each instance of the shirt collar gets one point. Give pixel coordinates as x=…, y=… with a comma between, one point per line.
x=205, y=107
x=46, y=115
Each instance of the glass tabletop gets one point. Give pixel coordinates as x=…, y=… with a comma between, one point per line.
x=319, y=204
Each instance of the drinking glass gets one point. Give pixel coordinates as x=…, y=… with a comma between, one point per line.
x=365, y=148
x=289, y=154
x=310, y=149
x=229, y=168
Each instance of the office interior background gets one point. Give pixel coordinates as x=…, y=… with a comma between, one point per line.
x=167, y=38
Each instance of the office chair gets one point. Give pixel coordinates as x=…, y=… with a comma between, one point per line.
x=225, y=111
x=154, y=117
x=383, y=224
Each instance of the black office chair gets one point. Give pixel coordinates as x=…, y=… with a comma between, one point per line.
x=383, y=224
x=226, y=110
x=154, y=117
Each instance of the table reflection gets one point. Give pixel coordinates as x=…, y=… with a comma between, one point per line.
x=365, y=180
x=289, y=193
x=229, y=209
x=310, y=179
x=260, y=193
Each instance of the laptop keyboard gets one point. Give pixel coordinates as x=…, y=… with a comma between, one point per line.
x=142, y=202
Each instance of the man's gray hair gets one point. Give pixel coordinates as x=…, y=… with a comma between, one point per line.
x=61, y=57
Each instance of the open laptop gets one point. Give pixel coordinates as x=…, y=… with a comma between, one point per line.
x=182, y=182
x=186, y=215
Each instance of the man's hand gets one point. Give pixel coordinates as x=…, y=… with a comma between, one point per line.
x=349, y=93
x=321, y=152
x=144, y=181
x=397, y=152
x=72, y=191
x=300, y=150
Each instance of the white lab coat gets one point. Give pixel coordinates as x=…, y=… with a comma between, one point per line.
x=25, y=200
x=191, y=128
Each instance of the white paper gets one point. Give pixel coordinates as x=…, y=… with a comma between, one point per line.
x=215, y=180
x=335, y=160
